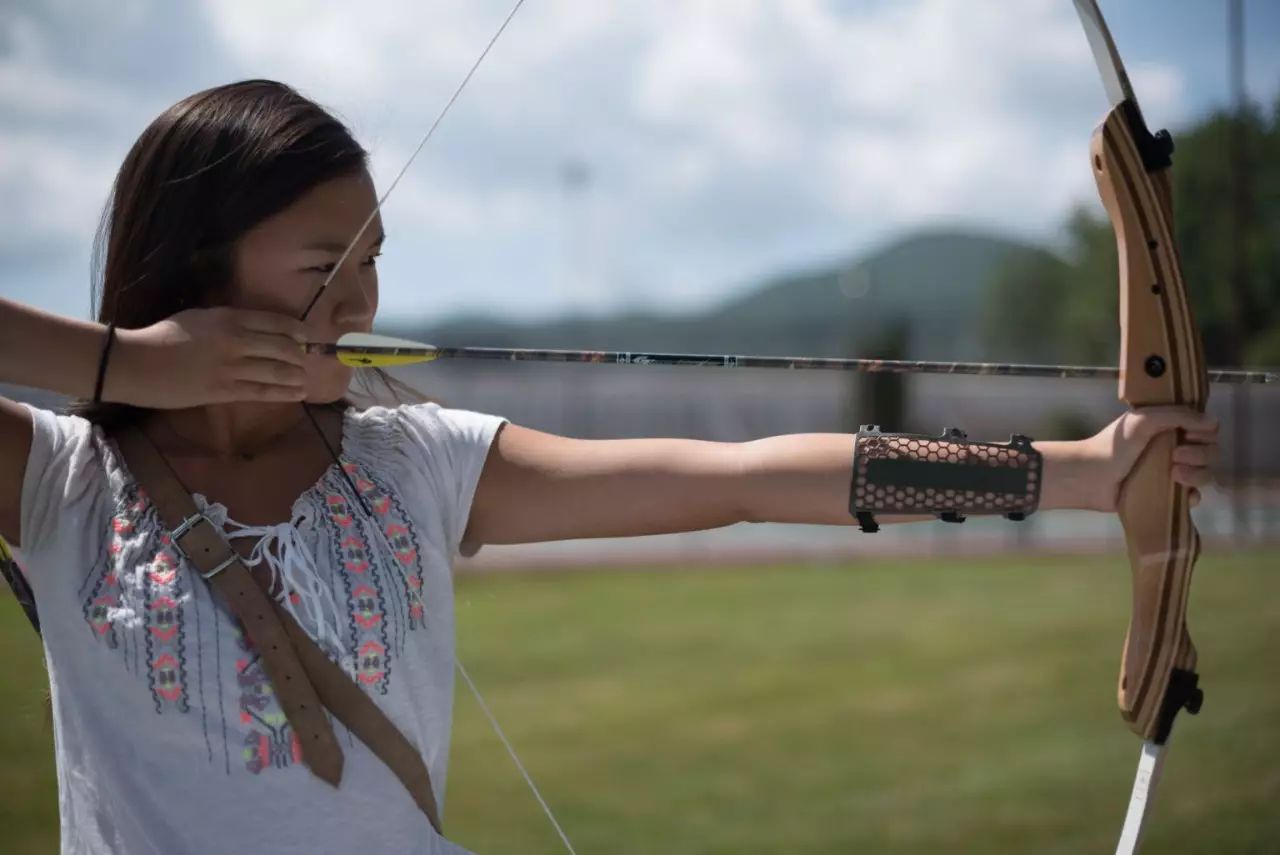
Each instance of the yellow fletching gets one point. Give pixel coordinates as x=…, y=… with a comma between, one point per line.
x=366, y=350
x=358, y=359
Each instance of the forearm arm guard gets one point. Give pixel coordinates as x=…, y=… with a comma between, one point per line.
x=948, y=476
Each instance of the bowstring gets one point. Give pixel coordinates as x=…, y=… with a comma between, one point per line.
x=444, y=111
x=346, y=253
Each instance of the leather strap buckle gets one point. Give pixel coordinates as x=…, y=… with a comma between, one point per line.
x=186, y=528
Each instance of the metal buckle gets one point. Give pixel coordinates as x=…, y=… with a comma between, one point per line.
x=187, y=525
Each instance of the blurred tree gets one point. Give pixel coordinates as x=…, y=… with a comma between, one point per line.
x=1044, y=307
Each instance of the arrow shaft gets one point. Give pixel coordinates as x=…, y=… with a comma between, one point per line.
x=388, y=355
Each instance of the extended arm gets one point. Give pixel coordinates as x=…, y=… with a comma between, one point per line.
x=539, y=487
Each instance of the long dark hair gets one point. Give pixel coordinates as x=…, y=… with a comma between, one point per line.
x=202, y=174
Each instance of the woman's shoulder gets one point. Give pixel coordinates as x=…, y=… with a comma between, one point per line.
x=431, y=456
x=423, y=426
x=72, y=471
x=66, y=446
x=66, y=425
x=427, y=450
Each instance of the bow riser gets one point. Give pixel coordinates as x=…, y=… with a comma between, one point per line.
x=1162, y=363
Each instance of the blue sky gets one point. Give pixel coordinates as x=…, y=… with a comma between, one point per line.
x=715, y=142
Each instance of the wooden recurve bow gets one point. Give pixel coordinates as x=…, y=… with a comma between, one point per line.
x=1161, y=363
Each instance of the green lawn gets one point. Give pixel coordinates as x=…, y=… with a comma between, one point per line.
x=888, y=707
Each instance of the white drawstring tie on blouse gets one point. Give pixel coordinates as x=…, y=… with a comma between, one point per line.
x=292, y=570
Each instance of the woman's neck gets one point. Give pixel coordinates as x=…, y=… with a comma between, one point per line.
x=228, y=430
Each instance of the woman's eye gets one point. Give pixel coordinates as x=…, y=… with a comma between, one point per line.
x=326, y=269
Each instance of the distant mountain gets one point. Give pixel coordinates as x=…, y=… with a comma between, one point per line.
x=936, y=282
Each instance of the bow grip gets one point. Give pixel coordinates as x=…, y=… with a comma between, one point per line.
x=1163, y=545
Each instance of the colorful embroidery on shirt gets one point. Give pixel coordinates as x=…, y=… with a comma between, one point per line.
x=163, y=590
x=370, y=664
x=103, y=607
x=371, y=587
x=402, y=539
x=362, y=587
x=269, y=742
x=135, y=591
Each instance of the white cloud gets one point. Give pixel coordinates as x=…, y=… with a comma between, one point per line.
x=725, y=138
x=56, y=163
x=52, y=193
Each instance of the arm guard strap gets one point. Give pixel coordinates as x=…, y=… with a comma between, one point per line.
x=949, y=476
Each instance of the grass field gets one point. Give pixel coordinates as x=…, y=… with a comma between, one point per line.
x=889, y=707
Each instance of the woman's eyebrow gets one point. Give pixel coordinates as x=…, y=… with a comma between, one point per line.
x=340, y=246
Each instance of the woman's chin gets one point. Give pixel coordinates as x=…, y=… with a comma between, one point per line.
x=325, y=395
x=329, y=388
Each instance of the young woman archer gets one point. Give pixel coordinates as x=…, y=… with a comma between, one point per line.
x=174, y=728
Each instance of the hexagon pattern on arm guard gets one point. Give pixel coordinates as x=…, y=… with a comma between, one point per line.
x=948, y=476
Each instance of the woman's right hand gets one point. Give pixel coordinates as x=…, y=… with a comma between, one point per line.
x=208, y=356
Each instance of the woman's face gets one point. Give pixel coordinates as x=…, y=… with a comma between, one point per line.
x=281, y=263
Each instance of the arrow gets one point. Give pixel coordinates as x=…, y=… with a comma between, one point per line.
x=365, y=350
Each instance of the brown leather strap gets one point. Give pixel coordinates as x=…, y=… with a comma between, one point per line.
x=303, y=677
x=352, y=705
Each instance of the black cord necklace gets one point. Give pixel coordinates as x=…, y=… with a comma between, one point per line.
x=333, y=455
x=249, y=456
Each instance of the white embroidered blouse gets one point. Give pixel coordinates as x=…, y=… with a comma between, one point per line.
x=167, y=736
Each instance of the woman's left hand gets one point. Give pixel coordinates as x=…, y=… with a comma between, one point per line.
x=1099, y=465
